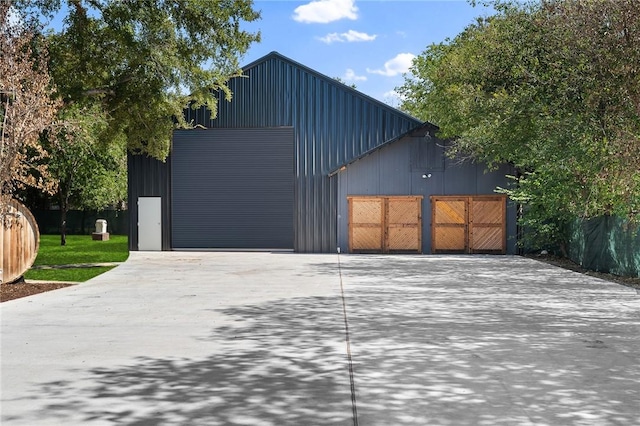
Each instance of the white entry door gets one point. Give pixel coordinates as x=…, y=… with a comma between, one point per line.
x=150, y=223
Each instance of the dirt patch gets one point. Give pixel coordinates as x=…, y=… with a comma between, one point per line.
x=569, y=264
x=18, y=290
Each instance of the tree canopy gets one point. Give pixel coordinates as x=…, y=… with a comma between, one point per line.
x=143, y=62
x=552, y=87
x=27, y=107
x=115, y=75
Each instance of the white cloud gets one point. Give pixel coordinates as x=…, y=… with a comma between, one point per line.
x=350, y=75
x=350, y=36
x=330, y=38
x=398, y=65
x=325, y=11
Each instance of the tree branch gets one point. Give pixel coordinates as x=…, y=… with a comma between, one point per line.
x=96, y=92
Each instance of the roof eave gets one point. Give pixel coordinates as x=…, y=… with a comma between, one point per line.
x=422, y=130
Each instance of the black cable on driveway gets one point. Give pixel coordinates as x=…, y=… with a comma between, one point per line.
x=354, y=406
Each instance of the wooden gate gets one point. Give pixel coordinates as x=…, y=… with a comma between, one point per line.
x=468, y=224
x=379, y=224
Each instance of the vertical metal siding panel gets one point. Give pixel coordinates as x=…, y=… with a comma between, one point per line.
x=301, y=161
x=357, y=128
x=286, y=89
x=332, y=242
x=318, y=125
x=356, y=142
x=165, y=181
x=336, y=151
x=258, y=112
x=325, y=143
x=271, y=79
x=311, y=205
x=132, y=195
x=313, y=128
x=312, y=187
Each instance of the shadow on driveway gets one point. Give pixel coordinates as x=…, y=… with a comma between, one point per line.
x=283, y=363
x=486, y=341
x=435, y=341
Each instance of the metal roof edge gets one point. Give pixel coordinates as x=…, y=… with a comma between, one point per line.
x=422, y=130
x=333, y=81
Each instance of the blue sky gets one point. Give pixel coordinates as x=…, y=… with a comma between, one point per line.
x=369, y=43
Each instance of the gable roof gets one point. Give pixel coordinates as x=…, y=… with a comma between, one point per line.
x=419, y=128
x=278, y=56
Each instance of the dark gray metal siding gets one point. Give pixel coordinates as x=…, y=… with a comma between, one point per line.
x=232, y=188
x=393, y=170
x=332, y=124
x=148, y=177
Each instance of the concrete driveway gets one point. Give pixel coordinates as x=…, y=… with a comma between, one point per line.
x=181, y=338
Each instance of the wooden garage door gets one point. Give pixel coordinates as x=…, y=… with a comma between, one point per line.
x=449, y=220
x=379, y=224
x=468, y=224
x=487, y=224
x=366, y=223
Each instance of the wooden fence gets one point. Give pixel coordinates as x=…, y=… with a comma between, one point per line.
x=19, y=242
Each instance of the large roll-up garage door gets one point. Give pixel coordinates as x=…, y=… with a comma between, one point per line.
x=233, y=188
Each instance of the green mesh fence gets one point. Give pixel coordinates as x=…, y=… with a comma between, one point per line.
x=606, y=244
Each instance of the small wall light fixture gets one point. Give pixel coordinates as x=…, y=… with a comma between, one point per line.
x=426, y=176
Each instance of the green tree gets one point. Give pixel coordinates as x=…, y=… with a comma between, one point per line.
x=126, y=70
x=144, y=61
x=84, y=172
x=552, y=88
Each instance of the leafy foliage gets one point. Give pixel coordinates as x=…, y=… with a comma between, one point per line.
x=553, y=88
x=27, y=106
x=125, y=71
x=143, y=62
x=85, y=172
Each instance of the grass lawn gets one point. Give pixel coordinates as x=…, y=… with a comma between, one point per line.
x=79, y=249
x=71, y=275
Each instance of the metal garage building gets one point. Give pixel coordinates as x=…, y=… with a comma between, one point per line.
x=274, y=169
